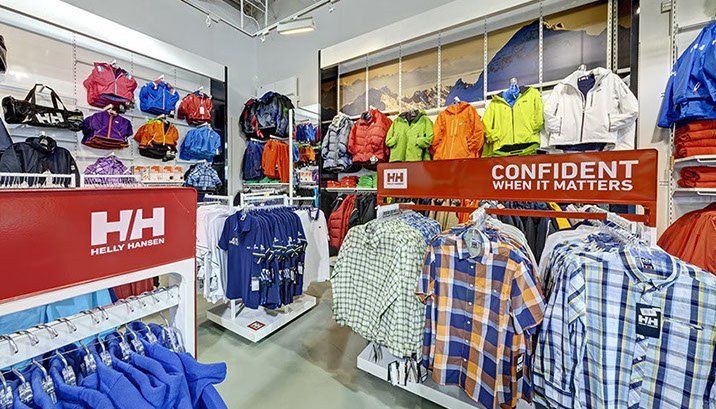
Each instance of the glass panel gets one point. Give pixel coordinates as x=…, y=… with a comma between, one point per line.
x=513, y=52
x=624, y=43
x=383, y=80
x=462, y=66
x=329, y=93
x=352, y=88
x=420, y=80
x=574, y=37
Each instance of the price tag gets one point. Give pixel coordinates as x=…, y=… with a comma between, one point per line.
x=648, y=322
x=255, y=284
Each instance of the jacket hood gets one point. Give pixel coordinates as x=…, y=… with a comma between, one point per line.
x=339, y=120
x=457, y=108
x=524, y=91
x=573, y=79
x=43, y=144
x=412, y=116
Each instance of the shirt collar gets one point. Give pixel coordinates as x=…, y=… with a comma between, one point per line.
x=469, y=238
x=650, y=266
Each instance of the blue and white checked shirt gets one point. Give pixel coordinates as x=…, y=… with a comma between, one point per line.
x=428, y=227
x=589, y=353
x=203, y=177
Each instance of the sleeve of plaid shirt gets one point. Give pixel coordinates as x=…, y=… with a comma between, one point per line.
x=425, y=292
x=526, y=301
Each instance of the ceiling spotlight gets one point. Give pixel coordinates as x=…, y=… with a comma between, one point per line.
x=296, y=26
x=208, y=20
x=263, y=38
x=331, y=9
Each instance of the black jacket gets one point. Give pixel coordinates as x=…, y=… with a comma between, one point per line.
x=39, y=155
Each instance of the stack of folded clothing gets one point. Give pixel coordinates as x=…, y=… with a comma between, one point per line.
x=106, y=130
x=696, y=138
x=698, y=177
x=368, y=181
x=692, y=238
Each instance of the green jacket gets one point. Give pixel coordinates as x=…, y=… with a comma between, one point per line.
x=514, y=129
x=409, y=137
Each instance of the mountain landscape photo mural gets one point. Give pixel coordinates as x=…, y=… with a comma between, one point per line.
x=570, y=39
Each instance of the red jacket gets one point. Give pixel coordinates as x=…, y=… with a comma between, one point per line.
x=367, y=138
x=196, y=108
x=110, y=85
x=338, y=221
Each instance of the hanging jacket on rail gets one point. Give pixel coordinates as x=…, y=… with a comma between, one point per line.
x=459, y=133
x=157, y=140
x=366, y=142
x=410, y=137
x=110, y=85
x=195, y=108
x=158, y=98
x=513, y=128
x=339, y=220
x=691, y=91
x=334, y=148
x=106, y=130
x=39, y=155
x=603, y=115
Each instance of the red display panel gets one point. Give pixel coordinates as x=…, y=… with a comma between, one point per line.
x=56, y=239
x=617, y=177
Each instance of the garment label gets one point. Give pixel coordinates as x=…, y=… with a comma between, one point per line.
x=648, y=321
x=520, y=366
x=201, y=110
x=255, y=284
x=647, y=265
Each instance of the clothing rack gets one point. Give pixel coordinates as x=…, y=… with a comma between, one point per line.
x=533, y=179
x=61, y=269
x=255, y=325
x=110, y=180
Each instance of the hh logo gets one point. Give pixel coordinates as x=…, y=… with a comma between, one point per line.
x=395, y=179
x=130, y=226
x=49, y=118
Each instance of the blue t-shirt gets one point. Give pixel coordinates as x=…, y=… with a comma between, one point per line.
x=240, y=238
x=76, y=397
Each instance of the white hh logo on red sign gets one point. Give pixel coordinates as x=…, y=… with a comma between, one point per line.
x=130, y=227
x=395, y=179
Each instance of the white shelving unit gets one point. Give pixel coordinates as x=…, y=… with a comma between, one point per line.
x=447, y=396
x=350, y=189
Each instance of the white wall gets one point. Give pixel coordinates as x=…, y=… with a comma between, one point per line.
x=281, y=57
x=176, y=23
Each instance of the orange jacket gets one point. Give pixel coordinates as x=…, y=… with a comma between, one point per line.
x=458, y=133
x=157, y=132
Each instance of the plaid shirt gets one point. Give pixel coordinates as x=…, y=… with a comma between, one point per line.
x=203, y=177
x=428, y=227
x=374, y=282
x=109, y=165
x=483, y=300
x=593, y=351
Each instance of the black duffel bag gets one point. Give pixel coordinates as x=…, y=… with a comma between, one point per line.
x=28, y=112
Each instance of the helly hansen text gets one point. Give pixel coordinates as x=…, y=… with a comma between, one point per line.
x=126, y=231
x=395, y=179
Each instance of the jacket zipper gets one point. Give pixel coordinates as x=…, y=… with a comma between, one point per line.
x=512, y=112
x=584, y=114
x=452, y=139
x=163, y=101
x=109, y=128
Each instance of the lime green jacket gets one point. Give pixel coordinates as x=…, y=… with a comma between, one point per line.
x=509, y=129
x=410, y=137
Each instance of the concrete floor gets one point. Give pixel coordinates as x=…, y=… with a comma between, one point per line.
x=309, y=364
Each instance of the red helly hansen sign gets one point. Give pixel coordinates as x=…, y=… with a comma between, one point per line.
x=618, y=177
x=55, y=239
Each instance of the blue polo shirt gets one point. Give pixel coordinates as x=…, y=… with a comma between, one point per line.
x=76, y=397
x=115, y=386
x=240, y=238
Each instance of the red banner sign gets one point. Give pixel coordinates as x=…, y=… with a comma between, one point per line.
x=617, y=177
x=55, y=239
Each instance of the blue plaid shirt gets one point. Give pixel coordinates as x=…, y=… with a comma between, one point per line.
x=203, y=177
x=428, y=227
x=626, y=328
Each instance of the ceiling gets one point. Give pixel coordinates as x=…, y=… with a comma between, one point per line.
x=277, y=9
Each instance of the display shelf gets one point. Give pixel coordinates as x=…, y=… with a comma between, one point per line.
x=350, y=189
x=255, y=325
x=683, y=191
x=451, y=397
x=248, y=185
x=162, y=182
x=696, y=160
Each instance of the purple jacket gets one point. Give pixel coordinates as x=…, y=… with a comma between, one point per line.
x=107, y=126
x=108, y=165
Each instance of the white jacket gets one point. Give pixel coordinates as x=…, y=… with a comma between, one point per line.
x=606, y=115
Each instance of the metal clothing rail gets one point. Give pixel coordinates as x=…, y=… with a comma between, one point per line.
x=39, y=340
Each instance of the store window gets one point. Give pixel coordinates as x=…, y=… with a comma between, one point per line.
x=384, y=86
x=513, y=52
x=420, y=80
x=462, y=70
x=574, y=37
x=352, y=92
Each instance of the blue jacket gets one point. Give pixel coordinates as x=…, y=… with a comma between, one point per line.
x=158, y=98
x=200, y=143
x=691, y=90
x=252, y=169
